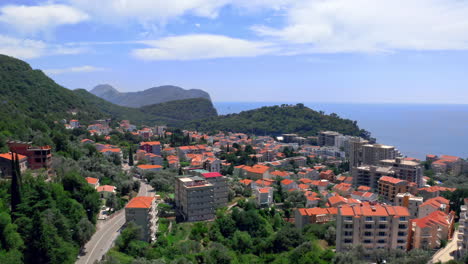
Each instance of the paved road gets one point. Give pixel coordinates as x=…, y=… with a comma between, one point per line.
x=107, y=232
x=444, y=255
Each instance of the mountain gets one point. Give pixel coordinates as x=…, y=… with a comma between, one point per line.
x=276, y=120
x=150, y=96
x=32, y=103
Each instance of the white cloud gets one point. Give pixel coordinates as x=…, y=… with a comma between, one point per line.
x=30, y=49
x=372, y=26
x=78, y=69
x=42, y=18
x=201, y=46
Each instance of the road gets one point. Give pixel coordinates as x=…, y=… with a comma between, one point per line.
x=107, y=231
x=444, y=255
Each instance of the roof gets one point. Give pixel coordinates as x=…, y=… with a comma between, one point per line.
x=91, y=180
x=257, y=169
x=436, y=202
x=8, y=156
x=246, y=181
x=365, y=209
x=105, y=188
x=149, y=167
x=336, y=200
x=435, y=218
x=140, y=202
x=212, y=174
x=364, y=188
x=317, y=211
x=151, y=143
x=264, y=190
x=391, y=180
x=436, y=189
x=286, y=181
x=115, y=150
x=280, y=173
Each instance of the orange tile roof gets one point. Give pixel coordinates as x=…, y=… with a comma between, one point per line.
x=436, y=189
x=246, y=181
x=365, y=209
x=140, y=202
x=317, y=211
x=436, y=202
x=148, y=167
x=8, y=156
x=286, y=182
x=151, y=143
x=435, y=218
x=105, y=188
x=257, y=169
x=264, y=190
x=115, y=150
x=391, y=180
x=91, y=180
x=280, y=173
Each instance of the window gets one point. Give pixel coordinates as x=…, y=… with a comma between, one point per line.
x=348, y=218
x=402, y=218
x=368, y=226
x=348, y=226
x=382, y=226
x=347, y=241
x=382, y=234
x=402, y=226
x=367, y=233
x=381, y=241
x=383, y=218
x=401, y=233
x=368, y=219
x=348, y=233
x=367, y=241
x=399, y=241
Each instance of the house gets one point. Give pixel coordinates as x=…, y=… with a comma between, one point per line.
x=6, y=164
x=141, y=210
x=39, y=157
x=428, y=232
x=212, y=164
x=87, y=141
x=109, y=152
x=106, y=190
x=327, y=175
x=247, y=183
x=433, y=191
x=93, y=182
x=287, y=185
x=336, y=201
x=364, y=196
x=411, y=202
x=321, y=185
x=257, y=172
x=264, y=196
x=151, y=147
x=317, y=215
x=432, y=205
x=194, y=198
x=312, y=199
x=281, y=174
x=74, y=123
x=147, y=167
x=343, y=189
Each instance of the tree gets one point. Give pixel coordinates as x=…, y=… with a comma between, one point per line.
x=130, y=233
x=242, y=242
x=130, y=156
x=15, y=184
x=84, y=231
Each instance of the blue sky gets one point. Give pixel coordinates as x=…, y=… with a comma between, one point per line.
x=392, y=51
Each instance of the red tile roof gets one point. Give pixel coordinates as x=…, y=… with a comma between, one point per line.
x=105, y=188
x=140, y=202
x=151, y=143
x=8, y=156
x=391, y=180
x=91, y=180
x=246, y=181
x=212, y=174
x=149, y=167
x=365, y=209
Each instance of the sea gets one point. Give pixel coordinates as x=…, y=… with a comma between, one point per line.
x=415, y=129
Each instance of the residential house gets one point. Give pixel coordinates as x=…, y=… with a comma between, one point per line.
x=38, y=157
x=264, y=196
x=142, y=211
x=93, y=182
x=432, y=205
x=106, y=190
x=6, y=164
x=317, y=215
x=428, y=232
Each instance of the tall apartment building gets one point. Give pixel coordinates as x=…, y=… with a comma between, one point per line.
x=142, y=211
x=369, y=175
x=373, y=226
x=327, y=138
x=355, y=151
x=411, y=202
x=220, y=188
x=38, y=157
x=194, y=197
x=407, y=170
x=151, y=147
x=389, y=187
x=462, y=242
x=372, y=154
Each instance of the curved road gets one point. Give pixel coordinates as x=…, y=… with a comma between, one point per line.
x=107, y=232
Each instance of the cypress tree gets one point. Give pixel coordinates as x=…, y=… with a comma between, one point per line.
x=15, y=184
x=130, y=156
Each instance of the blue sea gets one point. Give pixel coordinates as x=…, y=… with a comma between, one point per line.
x=415, y=129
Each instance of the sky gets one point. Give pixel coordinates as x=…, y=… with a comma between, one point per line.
x=360, y=51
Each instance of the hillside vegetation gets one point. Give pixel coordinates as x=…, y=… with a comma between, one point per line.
x=275, y=120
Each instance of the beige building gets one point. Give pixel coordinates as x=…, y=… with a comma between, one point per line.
x=409, y=201
x=372, y=154
x=142, y=211
x=327, y=138
x=389, y=187
x=316, y=215
x=462, y=242
x=429, y=231
x=355, y=151
x=405, y=169
x=194, y=197
x=373, y=226
x=220, y=188
x=369, y=175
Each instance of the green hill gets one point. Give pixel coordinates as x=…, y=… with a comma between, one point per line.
x=32, y=104
x=276, y=120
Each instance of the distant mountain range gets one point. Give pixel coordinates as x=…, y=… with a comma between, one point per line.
x=150, y=96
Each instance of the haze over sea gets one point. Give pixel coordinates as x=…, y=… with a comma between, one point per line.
x=415, y=129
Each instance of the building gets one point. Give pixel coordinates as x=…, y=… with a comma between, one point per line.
x=432, y=205
x=407, y=170
x=93, y=182
x=264, y=196
x=106, y=190
x=327, y=138
x=364, y=196
x=142, y=211
x=38, y=157
x=433, y=191
x=373, y=226
x=355, y=151
x=74, y=123
x=257, y=172
x=194, y=198
x=220, y=188
x=389, y=187
x=462, y=242
x=429, y=231
x=151, y=147
x=317, y=215
x=409, y=201
x=372, y=154
x=369, y=175
x=146, y=167
x=212, y=164
x=6, y=165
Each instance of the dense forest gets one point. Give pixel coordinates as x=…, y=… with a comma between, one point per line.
x=275, y=120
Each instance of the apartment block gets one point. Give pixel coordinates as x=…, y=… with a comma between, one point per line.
x=429, y=231
x=372, y=154
x=327, y=138
x=369, y=175
x=462, y=242
x=264, y=196
x=142, y=211
x=373, y=226
x=220, y=188
x=194, y=197
x=409, y=201
x=151, y=147
x=389, y=187
x=407, y=170
x=355, y=151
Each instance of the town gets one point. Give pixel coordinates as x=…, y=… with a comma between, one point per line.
x=368, y=196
